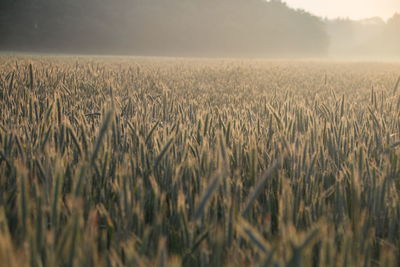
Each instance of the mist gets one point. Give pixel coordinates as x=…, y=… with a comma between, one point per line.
x=194, y=28
x=368, y=38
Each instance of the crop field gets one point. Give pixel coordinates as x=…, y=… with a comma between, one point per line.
x=198, y=162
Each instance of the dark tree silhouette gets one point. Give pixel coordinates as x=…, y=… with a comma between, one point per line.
x=161, y=27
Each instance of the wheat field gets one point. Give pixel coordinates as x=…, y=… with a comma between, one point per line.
x=198, y=162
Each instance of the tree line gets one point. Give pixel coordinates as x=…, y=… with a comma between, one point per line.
x=161, y=27
x=188, y=28
x=368, y=37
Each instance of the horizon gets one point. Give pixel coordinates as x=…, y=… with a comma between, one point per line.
x=233, y=29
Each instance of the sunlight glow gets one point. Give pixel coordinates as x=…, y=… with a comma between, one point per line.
x=354, y=9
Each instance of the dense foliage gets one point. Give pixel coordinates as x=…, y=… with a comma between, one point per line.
x=112, y=162
x=159, y=27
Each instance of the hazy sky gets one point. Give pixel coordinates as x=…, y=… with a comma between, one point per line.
x=355, y=9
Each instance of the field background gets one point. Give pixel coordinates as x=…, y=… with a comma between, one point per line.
x=145, y=161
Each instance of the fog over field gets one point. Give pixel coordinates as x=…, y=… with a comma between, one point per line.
x=210, y=28
x=199, y=133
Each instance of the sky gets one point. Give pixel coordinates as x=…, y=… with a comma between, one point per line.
x=353, y=9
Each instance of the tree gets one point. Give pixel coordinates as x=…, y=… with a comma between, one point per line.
x=161, y=27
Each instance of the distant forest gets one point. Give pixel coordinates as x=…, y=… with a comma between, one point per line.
x=182, y=28
x=160, y=27
x=370, y=37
